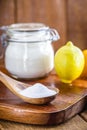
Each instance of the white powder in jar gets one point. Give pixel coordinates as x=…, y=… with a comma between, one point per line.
x=29, y=60
x=37, y=91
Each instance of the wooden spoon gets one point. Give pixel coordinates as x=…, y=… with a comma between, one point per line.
x=16, y=87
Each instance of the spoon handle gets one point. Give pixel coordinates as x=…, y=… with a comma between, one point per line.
x=9, y=82
x=14, y=86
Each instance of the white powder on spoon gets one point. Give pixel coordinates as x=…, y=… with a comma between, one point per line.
x=37, y=91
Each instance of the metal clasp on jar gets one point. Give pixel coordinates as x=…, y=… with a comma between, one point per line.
x=54, y=35
x=3, y=37
x=3, y=40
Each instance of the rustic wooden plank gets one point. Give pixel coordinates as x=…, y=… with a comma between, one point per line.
x=84, y=115
x=76, y=123
x=50, y=12
x=7, y=17
x=1, y=127
x=77, y=22
x=7, y=9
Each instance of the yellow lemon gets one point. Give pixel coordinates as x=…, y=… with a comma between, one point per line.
x=69, y=62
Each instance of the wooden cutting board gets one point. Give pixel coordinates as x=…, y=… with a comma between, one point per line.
x=70, y=101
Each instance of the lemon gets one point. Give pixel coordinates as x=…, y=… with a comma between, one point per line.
x=69, y=62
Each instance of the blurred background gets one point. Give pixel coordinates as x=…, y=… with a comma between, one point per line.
x=68, y=17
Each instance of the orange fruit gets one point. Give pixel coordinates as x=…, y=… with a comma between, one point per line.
x=84, y=72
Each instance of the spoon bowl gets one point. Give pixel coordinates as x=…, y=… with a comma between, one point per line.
x=16, y=87
x=41, y=100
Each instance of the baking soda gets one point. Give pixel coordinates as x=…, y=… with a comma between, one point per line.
x=29, y=60
x=37, y=91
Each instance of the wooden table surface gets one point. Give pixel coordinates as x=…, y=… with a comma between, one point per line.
x=78, y=122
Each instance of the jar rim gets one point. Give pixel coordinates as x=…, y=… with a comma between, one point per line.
x=27, y=27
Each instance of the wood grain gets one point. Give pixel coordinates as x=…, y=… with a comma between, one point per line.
x=68, y=18
x=7, y=10
x=76, y=123
x=77, y=22
x=84, y=115
x=1, y=127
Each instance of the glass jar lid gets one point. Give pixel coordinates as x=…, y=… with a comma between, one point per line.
x=28, y=27
x=30, y=32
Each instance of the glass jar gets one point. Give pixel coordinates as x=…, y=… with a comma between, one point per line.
x=29, y=53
